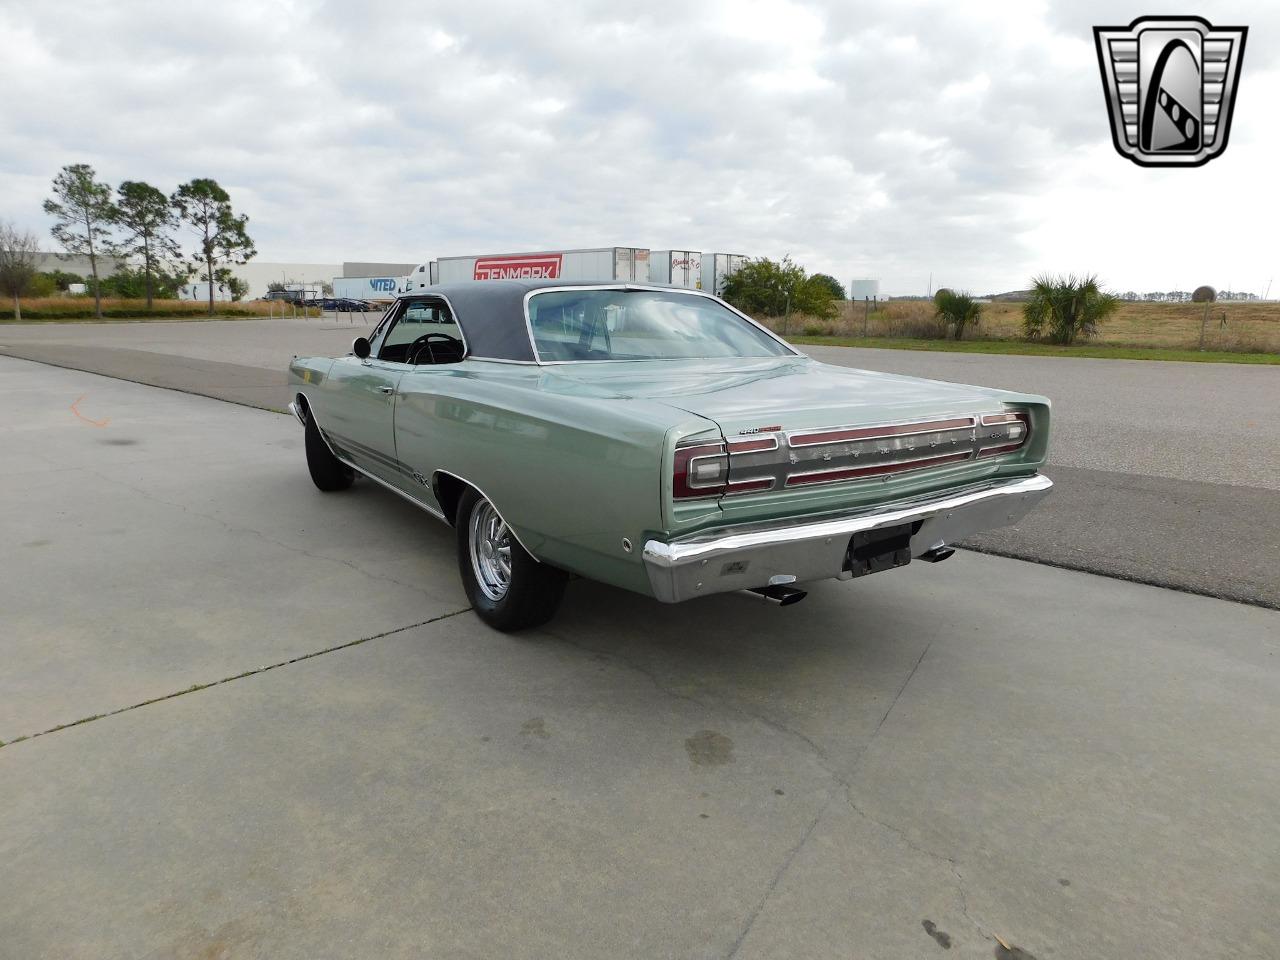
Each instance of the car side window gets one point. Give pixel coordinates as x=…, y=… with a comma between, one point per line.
x=424, y=332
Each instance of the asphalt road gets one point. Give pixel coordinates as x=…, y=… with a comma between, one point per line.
x=248, y=720
x=1165, y=472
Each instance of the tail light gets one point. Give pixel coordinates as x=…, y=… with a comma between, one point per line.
x=1003, y=433
x=701, y=470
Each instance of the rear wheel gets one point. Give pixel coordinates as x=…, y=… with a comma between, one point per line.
x=508, y=588
x=327, y=471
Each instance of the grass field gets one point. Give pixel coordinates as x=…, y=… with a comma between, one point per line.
x=80, y=310
x=1139, y=329
x=1022, y=348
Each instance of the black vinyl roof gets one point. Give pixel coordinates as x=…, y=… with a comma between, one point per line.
x=491, y=312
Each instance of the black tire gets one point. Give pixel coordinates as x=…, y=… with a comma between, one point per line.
x=532, y=591
x=327, y=471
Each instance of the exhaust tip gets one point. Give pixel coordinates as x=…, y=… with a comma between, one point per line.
x=782, y=595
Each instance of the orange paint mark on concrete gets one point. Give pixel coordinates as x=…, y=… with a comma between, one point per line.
x=75, y=408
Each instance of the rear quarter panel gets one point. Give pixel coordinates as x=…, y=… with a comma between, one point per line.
x=573, y=475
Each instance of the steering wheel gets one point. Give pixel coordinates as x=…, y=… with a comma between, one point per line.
x=415, y=349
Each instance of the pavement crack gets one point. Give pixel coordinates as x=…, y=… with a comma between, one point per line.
x=775, y=880
x=196, y=687
x=824, y=762
x=942, y=858
x=898, y=696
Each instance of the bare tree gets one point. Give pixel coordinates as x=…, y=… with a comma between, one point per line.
x=84, y=211
x=19, y=253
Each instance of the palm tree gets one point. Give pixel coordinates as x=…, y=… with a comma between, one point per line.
x=1060, y=309
x=956, y=310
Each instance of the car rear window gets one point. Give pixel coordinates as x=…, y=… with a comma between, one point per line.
x=642, y=325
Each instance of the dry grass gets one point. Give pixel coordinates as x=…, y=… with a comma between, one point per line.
x=1232, y=327
x=81, y=308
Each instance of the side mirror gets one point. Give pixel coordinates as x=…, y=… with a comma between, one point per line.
x=360, y=347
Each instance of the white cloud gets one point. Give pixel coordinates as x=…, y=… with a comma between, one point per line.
x=884, y=139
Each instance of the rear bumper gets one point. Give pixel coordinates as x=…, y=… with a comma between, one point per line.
x=753, y=555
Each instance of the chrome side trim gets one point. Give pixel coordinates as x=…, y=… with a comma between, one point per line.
x=745, y=556
x=396, y=490
x=293, y=408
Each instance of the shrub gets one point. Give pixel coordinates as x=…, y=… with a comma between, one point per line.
x=1062, y=309
x=956, y=311
x=772, y=289
x=129, y=283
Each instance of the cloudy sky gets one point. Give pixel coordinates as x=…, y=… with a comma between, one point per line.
x=889, y=139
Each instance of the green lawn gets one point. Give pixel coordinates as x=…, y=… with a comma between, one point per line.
x=1021, y=347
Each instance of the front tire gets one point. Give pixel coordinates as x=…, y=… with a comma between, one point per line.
x=508, y=589
x=327, y=471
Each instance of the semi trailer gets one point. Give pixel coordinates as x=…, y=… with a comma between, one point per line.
x=594, y=265
x=680, y=268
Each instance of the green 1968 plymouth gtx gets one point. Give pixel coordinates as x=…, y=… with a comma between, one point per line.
x=655, y=439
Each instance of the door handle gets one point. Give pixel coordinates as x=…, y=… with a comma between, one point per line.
x=385, y=389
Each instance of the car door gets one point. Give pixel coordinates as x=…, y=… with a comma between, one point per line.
x=423, y=396
x=361, y=408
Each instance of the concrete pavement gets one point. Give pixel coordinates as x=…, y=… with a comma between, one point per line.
x=911, y=765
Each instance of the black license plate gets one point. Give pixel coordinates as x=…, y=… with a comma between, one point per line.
x=881, y=549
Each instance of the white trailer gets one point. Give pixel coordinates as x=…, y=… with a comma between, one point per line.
x=680, y=268
x=367, y=288
x=200, y=291
x=590, y=266
x=718, y=267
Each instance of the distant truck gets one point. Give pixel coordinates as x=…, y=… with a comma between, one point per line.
x=590, y=266
x=299, y=293
x=367, y=288
x=718, y=267
x=680, y=268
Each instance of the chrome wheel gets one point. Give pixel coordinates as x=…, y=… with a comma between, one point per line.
x=490, y=541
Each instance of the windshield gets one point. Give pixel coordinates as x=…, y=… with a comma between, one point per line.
x=641, y=325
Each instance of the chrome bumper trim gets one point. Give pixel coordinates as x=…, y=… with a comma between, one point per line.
x=293, y=408
x=744, y=556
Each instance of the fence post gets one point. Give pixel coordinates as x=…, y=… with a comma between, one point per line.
x=866, y=316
